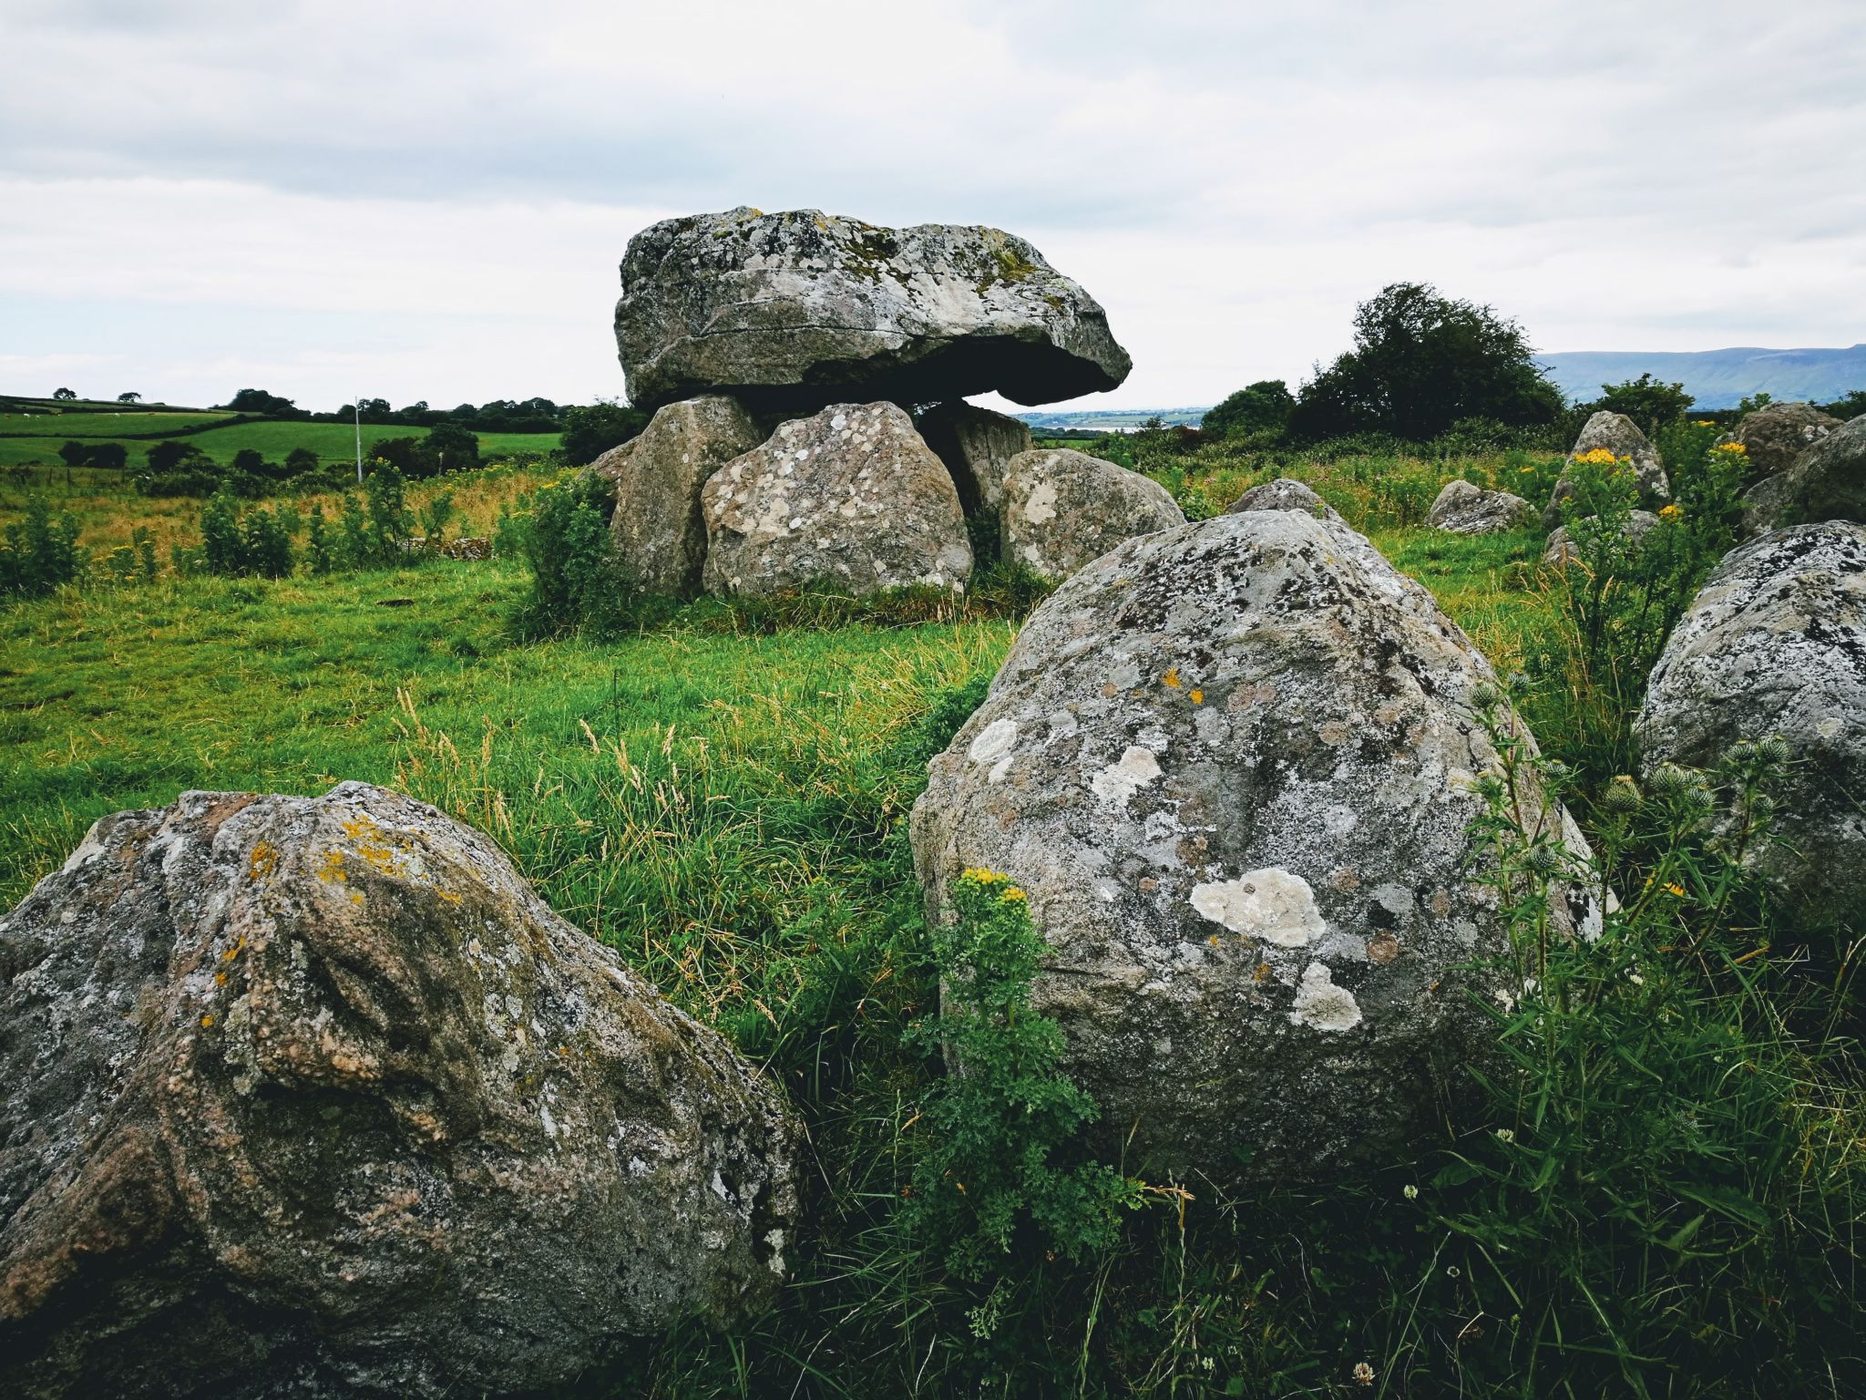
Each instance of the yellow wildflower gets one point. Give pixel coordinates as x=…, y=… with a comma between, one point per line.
x=978, y=875
x=1675, y=890
x=1599, y=457
x=1735, y=449
x=1671, y=512
x=1013, y=896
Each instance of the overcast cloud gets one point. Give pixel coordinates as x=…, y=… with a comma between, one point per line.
x=429, y=200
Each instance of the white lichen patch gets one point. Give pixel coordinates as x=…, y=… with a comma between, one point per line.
x=994, y=741
x=1321, y=1005
x=1040, y=508
x=1270, y=904
x=1127, y=775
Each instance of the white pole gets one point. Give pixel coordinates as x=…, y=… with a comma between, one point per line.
x=357, y=409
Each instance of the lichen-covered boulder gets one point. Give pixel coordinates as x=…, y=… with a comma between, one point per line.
x=1284, y=493
x=1777, y=433
x=977, y=446
x=1775, y=645
x=1827, y=481
x=800, y=309
x=1235, y=765
x=1467, y=509
x=659, y=533
x=1063, y=508
x=1563, y=549
x=314, y=1096
x=1618, y=434
x=851, y=498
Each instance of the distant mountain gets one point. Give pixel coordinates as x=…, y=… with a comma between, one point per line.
x=1110, y=420
x=1715, y=378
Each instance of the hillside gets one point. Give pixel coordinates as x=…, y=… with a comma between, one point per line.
x=1716, y=378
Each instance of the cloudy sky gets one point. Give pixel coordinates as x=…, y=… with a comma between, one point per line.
x=428, y=198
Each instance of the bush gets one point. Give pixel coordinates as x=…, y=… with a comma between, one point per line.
x=173, y=468
x=575, y=572
x=258, y=542
x=40, y=552
x=591, y=431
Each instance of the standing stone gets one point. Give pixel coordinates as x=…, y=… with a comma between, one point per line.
x=1466, y=509
x=1775, y=645
x=977, y=446
x=1234, y=766
x=797, y=310
x=1618, y=434
x=1285, y=493
x=1063, y=508
x=851, y=499
x=315, y=1096
x=1777, y=433
x=659, y=533
x=1826, y=482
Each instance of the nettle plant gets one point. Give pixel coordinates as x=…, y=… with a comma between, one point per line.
x=1667, y=1185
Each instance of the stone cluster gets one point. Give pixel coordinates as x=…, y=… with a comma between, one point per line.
x=782, y=354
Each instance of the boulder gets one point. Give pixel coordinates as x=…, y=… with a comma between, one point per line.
x=1618, y=434
x=977, y=446
x=1826, y=482
x=800, y=309
x=1775, y=645
x=1561, y=548
x=659, y=533
x=1234, y=766
x=850, y=498
x=315, y=1096
x=1465, y=509
x=1777, y=433
x=1285, y=494
x=1063, y=508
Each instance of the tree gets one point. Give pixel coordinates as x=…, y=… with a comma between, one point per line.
x=299, y=461
x=1848, y=405
x=1261, y=407
x=1420, y=363
x=74, y=454
x=402, y=453
x=258, y=401
x=1649, y=402
x=63, y=394
x=591, y=431
x=131, y=397
x=452, y=448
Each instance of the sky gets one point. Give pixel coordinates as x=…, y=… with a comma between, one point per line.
x=428, y=199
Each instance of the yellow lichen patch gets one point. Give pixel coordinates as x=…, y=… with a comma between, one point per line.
x=265, y=859
x=372, y=846
x=1171, y=678
x=207, y=1022
x=332, y=867
x=447, y=896
x=1197, y=697
x=220, y=979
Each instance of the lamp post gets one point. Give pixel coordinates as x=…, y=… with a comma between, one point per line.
x=357, y=409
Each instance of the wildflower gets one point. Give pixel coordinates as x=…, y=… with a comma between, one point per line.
x=1013, y=895
x=1705, y=423
x=1670, y=512
x=1363, y=1373
x=1622, y=795
x=1410, y=1192
x=1505, y=1135
x=1677, y=891
x=1735, y=449
x=1773, y=749
x=978, y=875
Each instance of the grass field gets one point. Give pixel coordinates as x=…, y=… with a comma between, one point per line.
x=333, y=442
x=105, y=426
x=726, y=809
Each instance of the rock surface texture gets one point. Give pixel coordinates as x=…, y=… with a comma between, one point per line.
x=1467, y=509
x=1233, y=765
x=1285, y=494
x=314, y=1096
x=1775, y=644
x=851, y=498
x=1826, y=482
x=1777, y=433
x=977, y=446
x=1618, y=434
x=657, y=476
x=1063, y=508
x=800, y=309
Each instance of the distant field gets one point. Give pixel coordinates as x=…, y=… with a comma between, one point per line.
x=93, y=424
x=334, y=442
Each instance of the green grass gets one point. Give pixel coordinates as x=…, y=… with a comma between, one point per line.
x=333, y=442
x=726, y=809
x=105, y=426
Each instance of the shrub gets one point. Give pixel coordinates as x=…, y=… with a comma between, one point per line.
x=39, y=552
x=258, y=542
x=575, y=572
x=591, y=431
